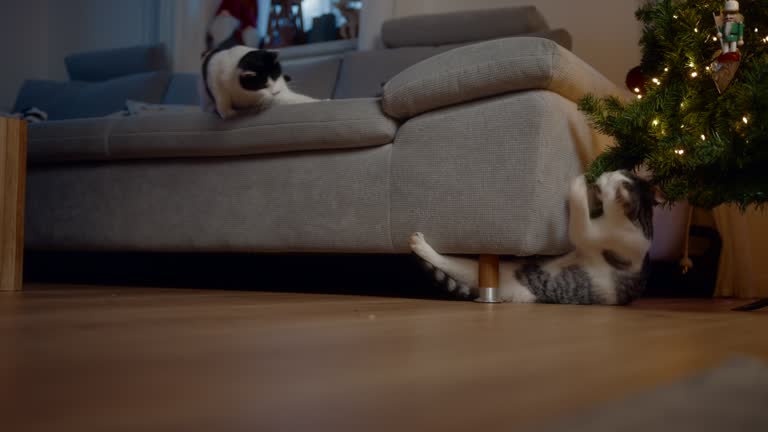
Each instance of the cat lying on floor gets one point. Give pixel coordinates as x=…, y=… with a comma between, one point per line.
x=237, y=77
x=611, y=229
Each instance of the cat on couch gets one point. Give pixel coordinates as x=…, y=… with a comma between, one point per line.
x=237, y=77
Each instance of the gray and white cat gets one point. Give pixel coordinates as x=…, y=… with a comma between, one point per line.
x=239, y=77
x=611, y=229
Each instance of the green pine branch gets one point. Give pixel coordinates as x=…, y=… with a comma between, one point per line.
x=700, y=145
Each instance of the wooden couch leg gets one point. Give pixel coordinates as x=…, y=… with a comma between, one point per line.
x=488, y=285
x=13, y=170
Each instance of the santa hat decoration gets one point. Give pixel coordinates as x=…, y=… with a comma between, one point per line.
x=234, y=19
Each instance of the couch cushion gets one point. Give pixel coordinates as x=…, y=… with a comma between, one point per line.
x=490, y=68
x=313, y=77
x=312, y=126
x=108, y=64
x=183, y=90
x=363, y=73
x=77, y=99
x=461, y=27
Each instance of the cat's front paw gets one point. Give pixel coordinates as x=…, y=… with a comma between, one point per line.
x=416, y=240
x=226, y=113
x=579, y=186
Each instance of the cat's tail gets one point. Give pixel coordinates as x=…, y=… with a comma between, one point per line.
x=444, y=282
x=450, y=274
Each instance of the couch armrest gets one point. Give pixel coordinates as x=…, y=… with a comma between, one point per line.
x=491, y=68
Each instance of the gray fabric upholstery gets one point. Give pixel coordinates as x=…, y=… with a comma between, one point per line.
x=561, y=36
x=313, y=77
x=182, y=90
x=34, y=93
x=71, y=140
x=488, y=177
x=320, y=49
x=363, y=73
x=332, y=201
x=461, y=27
x=109, y=64
x=483, y=169
x=313, y=126
x=77, y=100
x=490, y=68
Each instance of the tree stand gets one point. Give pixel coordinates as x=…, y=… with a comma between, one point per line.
x=488, y=283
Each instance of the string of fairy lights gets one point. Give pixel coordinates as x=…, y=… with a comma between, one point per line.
x=693, y=74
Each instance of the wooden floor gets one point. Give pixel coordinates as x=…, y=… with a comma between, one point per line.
x=95, y=358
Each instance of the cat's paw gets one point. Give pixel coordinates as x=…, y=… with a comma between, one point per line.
x=579, y=186
x=420, y=246
x=226, y=113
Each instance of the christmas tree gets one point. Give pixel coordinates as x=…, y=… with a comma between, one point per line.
x=704, y=138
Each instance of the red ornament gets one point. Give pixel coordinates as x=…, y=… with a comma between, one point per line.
x=635, y=81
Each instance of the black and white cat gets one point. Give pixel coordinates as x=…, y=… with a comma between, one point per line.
x=239, y=77
x=611, y=229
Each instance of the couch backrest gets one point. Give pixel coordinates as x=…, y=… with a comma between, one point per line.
x=363, y=73
x=409, y=40
x=108, y=64
x=461, y=27
x=64, y=100
x=324, y=70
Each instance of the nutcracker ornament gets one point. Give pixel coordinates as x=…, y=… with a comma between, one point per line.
x=730, y=33
x=730, y=27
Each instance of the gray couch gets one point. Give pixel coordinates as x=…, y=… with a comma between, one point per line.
x=472, y=140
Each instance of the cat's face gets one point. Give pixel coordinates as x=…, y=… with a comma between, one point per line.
x=621, y=192
x=260, y=72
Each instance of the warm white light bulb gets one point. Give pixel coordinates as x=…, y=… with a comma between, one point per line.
x=696, y=30
x=637, y=90
x=703, y=138
x=655, y=122
x=680, y=151
x=691, y=64
x=639, y=96
x=744, y=119
x=667, y=69
x=714, y=38
x=656, y=81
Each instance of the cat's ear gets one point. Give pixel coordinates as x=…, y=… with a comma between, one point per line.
x=624, y=191
x=272, y=54
x=287, y=78
x=625, y=197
